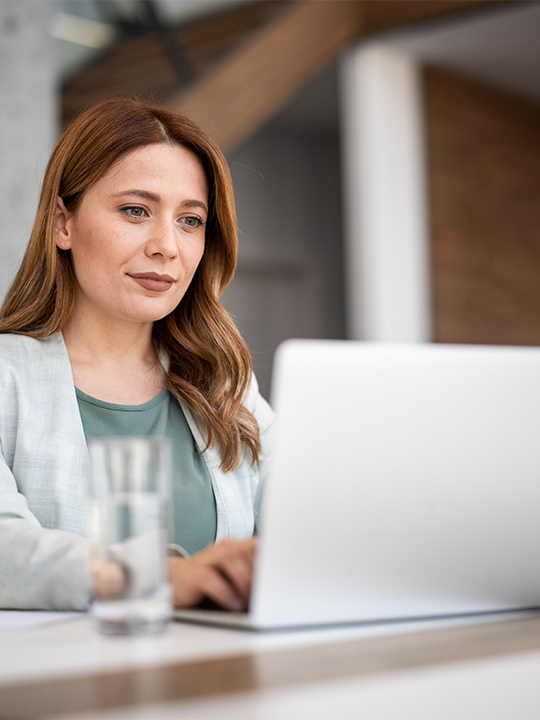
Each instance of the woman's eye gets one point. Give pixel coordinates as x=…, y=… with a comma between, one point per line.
x=134, y=211
x=192, y=221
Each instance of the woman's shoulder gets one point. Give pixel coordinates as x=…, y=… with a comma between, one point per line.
x=21, y=351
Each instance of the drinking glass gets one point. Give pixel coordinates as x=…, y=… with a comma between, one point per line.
x=129, y=512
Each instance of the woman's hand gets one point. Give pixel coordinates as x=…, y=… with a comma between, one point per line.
x=222, y=573
x=109, y=580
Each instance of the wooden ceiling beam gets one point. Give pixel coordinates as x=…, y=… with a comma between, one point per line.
x=381, y=15
x=261, y=76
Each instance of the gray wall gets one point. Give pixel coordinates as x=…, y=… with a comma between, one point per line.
x=289, y=281
x=27, y=122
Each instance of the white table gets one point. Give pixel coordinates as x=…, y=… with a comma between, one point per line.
x=479, y=668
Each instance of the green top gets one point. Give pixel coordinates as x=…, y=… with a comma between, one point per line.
x=193, y=502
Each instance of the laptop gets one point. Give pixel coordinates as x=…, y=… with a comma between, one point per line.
x=405, y=484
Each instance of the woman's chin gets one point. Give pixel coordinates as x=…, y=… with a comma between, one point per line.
x=147, y=312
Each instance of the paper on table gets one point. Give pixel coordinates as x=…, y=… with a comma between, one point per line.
x=20, y=620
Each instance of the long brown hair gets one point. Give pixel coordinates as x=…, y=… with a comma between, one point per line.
x=210, y=366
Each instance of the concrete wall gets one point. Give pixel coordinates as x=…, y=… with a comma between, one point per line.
x=27, y=122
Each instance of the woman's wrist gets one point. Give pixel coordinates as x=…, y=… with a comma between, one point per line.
x=110, y=580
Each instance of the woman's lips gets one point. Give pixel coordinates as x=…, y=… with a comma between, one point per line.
x=153, y=281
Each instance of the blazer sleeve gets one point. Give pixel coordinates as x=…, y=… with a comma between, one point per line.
x=44, y=563
x=40, y=568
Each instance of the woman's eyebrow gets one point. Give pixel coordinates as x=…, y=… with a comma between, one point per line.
x=195, y=203
x=145, y=194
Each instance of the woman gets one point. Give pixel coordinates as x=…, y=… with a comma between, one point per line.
x=113, y=326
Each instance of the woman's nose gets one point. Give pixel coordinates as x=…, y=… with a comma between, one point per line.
x=163, y=240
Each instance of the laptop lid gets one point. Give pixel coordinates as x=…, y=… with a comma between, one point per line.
x=405, y=484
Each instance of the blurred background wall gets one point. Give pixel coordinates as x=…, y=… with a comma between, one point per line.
x=385, y=153
x=290, y=277
x=28, y=112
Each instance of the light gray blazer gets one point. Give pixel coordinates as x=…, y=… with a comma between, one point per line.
x=44, y=470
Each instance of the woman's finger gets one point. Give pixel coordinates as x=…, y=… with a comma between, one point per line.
x=217, y=588
x=235, y=560
x=222, y=573
x=238, y=572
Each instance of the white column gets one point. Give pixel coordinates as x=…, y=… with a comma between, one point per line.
x=27, y=122
x=385, y=196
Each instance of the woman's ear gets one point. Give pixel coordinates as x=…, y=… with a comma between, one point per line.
x=62, y=234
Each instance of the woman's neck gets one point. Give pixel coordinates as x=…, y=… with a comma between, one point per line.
x=115, y=362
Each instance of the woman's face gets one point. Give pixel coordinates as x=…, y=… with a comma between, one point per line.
x=137, y=235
